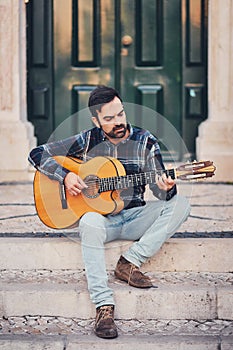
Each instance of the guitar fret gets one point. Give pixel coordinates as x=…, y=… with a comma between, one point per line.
x=121, y=182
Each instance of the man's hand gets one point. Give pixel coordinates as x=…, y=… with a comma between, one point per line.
x=164, y=183
x=74, y=184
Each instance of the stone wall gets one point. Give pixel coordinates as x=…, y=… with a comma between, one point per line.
x=16, y=133
x=215, y=139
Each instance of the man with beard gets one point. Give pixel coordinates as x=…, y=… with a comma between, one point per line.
x=149, y=225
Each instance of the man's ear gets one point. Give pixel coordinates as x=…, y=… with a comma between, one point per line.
x=96, y=122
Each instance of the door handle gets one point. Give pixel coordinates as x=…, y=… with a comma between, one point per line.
x=127, y=40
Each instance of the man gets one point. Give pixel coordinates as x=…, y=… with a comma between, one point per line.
x=149, y=225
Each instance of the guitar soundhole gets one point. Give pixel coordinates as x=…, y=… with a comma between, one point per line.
x=92, y=181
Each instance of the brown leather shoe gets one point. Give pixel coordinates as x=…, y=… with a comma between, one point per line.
x=128, y=272
x=104, y=323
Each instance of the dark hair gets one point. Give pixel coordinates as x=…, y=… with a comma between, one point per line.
x=100, y=96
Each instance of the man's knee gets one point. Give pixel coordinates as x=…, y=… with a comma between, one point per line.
x=92, y=219
x=184, y=205
x=92, y=228
x=181, y=206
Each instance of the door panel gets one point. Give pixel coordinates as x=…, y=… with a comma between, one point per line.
x=151, y=69
x=195, y=16
x=83, y=36
x=40, y=67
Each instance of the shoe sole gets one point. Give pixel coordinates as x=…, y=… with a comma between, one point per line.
x=106, y=336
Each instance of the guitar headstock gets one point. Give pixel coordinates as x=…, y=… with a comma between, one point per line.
x=195, y=170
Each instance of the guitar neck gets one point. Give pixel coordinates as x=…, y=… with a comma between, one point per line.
x=121, y=182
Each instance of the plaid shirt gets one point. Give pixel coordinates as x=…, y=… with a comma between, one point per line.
x=140, y=152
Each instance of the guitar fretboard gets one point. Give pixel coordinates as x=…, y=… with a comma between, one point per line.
x=121, y=182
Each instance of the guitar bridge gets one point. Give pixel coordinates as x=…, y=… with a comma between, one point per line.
x=63, y=197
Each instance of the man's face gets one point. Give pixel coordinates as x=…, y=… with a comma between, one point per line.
x=112, y=119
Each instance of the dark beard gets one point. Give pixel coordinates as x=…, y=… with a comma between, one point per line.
x=113, y=135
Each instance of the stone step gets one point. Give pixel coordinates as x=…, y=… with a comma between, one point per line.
x=64, y=293
x=51, y=325
x=153, y=342
x=177, y=254
x=36, y=332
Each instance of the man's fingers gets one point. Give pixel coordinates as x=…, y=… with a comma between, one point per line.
x=160, y=182
x=164, y=183
x=78, y=186
x=74, y=183
x=80, y=183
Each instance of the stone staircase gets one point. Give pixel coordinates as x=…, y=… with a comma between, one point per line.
x=44, y=303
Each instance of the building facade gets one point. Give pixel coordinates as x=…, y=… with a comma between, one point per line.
x=126, y=61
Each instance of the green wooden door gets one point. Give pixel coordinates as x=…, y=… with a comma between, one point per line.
x=151, y=71
x=152, y=51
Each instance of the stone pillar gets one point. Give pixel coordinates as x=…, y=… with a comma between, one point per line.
x=215, y=140
x=16, y=133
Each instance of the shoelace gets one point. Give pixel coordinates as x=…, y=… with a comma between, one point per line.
x=135, y=268
x=105, y=312
x=132, y=269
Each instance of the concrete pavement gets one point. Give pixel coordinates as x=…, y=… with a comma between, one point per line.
x=43, y=295
x=211, y=215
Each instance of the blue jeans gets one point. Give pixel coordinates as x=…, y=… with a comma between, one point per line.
x=148, y=226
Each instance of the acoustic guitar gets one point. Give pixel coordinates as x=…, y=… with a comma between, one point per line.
x=105, y=178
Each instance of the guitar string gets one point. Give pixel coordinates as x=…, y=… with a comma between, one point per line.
x=122, y=181
x=136, y=179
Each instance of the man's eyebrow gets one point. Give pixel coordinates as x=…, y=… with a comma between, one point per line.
x=121, y=111
x=112, y=116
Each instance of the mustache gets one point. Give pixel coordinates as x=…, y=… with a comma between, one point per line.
x=119, y=127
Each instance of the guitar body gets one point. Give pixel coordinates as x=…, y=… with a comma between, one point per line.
x=105, y=177
x=48, y=198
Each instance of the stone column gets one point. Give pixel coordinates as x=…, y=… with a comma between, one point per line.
x=215, y=139
x=16, y=133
